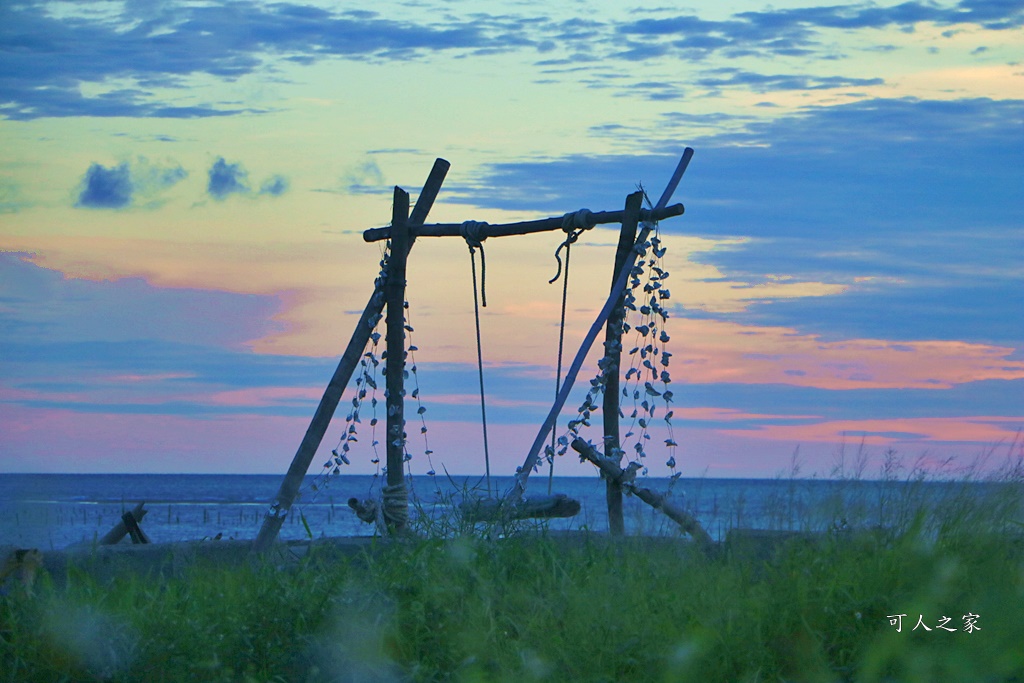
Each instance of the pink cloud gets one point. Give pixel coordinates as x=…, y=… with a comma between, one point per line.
x=303, y=279
x=709, y=351
x=109, y=391
x=41, y=440
x=728, y=414
x=155, y=377
x=920, y=430
x=58, y=440
x=497, y=401
x=262, y=396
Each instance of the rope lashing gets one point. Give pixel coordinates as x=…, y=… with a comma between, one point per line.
x=396, y=504
x=474, y=234
x=573, y=223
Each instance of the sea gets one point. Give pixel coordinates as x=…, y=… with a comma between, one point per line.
x=54, y=511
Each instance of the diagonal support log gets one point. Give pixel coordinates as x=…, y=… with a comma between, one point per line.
x=533, y=457
x=335, y=388
x=625, y=479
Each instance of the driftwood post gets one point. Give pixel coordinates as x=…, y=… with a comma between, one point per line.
x=396, y=497
x=522, y=476
x=121, y=529
x=625, y=478
x=613, y=357
x=335, y=388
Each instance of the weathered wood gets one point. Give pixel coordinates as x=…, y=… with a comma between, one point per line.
x=370, y=511
x=396, y=497
x=134, y=530
x=626, y=479
x=120, y=529
x=525, y=227
x=519, y=488
x=613, y=358
x=336, y=387
x=366, y=510
x=537, y=507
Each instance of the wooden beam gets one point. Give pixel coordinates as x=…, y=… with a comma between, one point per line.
x=396, y=499
x=525, y=227
x=519, y=488
x=336, y=387
x=613, y=358
x=658, y=501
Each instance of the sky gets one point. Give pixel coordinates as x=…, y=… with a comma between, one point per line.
x=184, y=186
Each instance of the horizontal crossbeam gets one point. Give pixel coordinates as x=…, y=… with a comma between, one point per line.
x=525, y=227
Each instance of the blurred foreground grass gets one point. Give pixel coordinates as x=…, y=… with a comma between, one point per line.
x=538, y=608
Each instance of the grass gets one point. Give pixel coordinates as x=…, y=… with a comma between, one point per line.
x=538, y=608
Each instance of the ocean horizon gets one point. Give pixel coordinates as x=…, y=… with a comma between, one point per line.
x=53, y=511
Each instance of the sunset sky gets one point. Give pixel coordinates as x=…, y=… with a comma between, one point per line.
x=184, y=186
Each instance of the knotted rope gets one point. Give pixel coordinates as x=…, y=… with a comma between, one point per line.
x=396, y=505
x=573, y=223
x=474, y=234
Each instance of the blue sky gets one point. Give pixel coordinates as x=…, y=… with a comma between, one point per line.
x=183, y=188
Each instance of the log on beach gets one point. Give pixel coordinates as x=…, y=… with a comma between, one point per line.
x=127, y=525
x=536, y=507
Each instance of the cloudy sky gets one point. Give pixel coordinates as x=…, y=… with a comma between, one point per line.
x=183, y=187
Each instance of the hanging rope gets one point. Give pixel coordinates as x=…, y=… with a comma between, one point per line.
x=561, y=346
x=473, y=233
x=573, y=223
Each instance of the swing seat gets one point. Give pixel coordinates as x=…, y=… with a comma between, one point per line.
x=534, y=507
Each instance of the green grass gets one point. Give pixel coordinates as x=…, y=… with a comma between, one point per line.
x=536, y=608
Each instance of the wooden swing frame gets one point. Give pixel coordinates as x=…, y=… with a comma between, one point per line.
x=389, y=293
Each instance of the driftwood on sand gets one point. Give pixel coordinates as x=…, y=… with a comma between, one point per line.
x=625, y=478
x=535, y=507
x=128, y=525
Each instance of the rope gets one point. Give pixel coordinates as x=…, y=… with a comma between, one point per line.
x=475, y=232
x=561, y=346
x=580, y=220
x=474, y=235
x=573, y=223
x=396, y=504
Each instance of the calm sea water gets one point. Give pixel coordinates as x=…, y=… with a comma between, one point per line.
x=57, y=510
